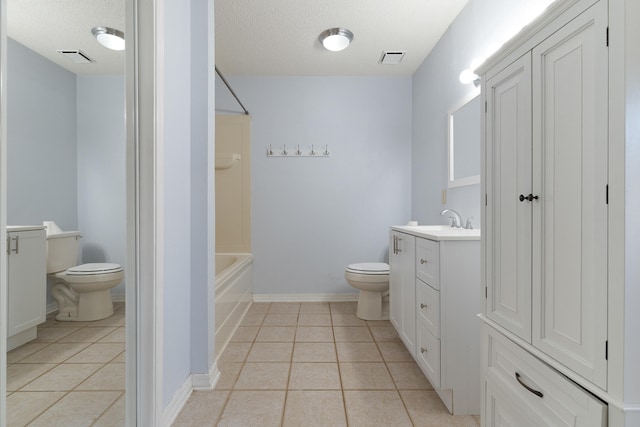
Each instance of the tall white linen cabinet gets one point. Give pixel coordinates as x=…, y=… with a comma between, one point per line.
x=561, y=220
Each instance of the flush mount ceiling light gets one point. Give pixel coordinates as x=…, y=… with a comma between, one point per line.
x=336, y=39
x=109, y=37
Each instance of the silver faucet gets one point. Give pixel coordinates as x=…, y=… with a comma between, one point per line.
x=468, y=224
x=456, y=220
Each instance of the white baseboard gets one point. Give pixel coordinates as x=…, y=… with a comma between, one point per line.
x=206, y=381
x=305, y=297
x=174, y=407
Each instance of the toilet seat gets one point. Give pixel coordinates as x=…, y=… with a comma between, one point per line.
x=92, y=269
x=369, y=268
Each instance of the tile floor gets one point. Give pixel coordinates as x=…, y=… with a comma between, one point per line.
x=72, y=375
x=317, y=364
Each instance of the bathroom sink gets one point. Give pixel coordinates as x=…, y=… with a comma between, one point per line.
x=439, y=232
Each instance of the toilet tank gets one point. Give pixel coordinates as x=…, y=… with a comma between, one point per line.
x=62, y=250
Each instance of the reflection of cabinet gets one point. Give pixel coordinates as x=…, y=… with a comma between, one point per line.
x=440, y=303
x=546, y=191
x=402, y=288
x=26, y=255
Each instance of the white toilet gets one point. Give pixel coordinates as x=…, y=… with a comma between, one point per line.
x=372, y=280
x=83, y=292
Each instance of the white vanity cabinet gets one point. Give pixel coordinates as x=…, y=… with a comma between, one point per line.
x=445, y=289
x=27, y=279
x=545, y=184
x=402, y=288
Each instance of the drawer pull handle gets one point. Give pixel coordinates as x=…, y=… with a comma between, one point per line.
x=423, y=261
x=423, y=305
x=423, y=350
x=534, y=391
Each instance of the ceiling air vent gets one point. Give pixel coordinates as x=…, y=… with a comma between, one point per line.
x=76, y=56
x=392, y=57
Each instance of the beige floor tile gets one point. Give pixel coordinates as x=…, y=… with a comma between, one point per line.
x=314, y=334
x=54, y=334
x=63, y=377
x=109, y=377
x=117, y=319
x=365, y=376
x=228, y=375
x=314, y=352
x=384, y=333
x=18, y=375
x=284, y=307
x=375, y=408
x=347, y=319
x=358, y=352
x=98, y=353
x=78, y=408
x=408, y=376
x=23, y=407
x=119, y=335
x=114, y=416
x=276, y=334
x=314, y=319
x=121, y=358
x=202, y=409
x=279, y=319
x=315, y=307
x=314, y=376
x=383, y=323
x=245, y=334
x=344, y=307
x=17, y=354
x=55, y=353
x=88, y=334
x=253, y=408
x=427, y=410
x=235, y=352
x=259, y=307
x=263, y=376
x=352, y=334
x=394, y=351
x=253, y=319
x=270, y=352
x=314, y=408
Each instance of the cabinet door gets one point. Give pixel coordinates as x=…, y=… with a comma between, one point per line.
x=27, y=280
x=508, y=166
x=570, y=177
x=402, y=288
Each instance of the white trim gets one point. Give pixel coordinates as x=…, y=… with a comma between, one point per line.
x=304, y=297
x=206, y=381
x=176, y=404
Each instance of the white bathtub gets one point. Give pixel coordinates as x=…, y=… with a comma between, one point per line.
x=234, y=287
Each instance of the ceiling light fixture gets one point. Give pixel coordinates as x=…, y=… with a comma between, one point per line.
x=336, y=39
x=109, y=37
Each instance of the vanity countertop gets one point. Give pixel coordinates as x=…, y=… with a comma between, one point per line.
x=438, y=232
x=24, y=227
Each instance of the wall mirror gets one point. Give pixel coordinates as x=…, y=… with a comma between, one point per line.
x=464, y=141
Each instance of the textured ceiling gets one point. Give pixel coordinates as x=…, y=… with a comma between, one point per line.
x=46, y=26
x=253, y=37
x=280, y=37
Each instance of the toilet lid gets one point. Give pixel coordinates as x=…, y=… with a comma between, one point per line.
x=369, y=268
x=93, y=268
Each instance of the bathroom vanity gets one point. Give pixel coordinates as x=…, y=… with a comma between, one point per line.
x=434, y=291
x=26, y=277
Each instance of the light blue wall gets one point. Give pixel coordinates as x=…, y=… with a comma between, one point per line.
x=482, y=26
x=313, y=216
x=101, y=169
x=41, y=148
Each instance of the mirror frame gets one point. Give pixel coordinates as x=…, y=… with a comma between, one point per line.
x=453, y=182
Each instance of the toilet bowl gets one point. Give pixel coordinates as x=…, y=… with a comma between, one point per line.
x=372, y=280
x=83, y=292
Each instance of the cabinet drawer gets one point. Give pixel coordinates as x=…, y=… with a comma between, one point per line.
x=427, y=262
x=537, y=388
x=428, y=307
x=428, y=355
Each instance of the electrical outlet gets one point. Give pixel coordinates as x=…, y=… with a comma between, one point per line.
x=444, y=196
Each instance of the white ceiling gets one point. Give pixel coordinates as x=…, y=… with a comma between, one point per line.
x=253, y=37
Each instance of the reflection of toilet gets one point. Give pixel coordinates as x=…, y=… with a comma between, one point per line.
x=83, y=292
x=372, y=279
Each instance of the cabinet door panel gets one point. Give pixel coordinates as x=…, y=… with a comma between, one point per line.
x=402, y=288
x=508, y=260
x=570, y=177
